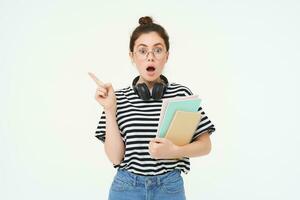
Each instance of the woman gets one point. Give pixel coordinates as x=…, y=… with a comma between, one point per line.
x=146, y=165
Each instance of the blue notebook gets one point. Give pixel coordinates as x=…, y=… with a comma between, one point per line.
x=170, y=106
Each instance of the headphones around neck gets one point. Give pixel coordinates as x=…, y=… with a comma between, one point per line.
x=158, y=90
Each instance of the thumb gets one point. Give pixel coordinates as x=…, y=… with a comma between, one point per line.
x=109, y=88
x=108, y=85
x=158, y=140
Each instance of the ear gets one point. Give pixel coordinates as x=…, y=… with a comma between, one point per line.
x=167, y=56
x=131, y=57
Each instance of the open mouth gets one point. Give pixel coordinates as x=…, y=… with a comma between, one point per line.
x=150, y=69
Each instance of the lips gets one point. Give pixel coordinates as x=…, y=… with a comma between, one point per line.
x=150, y=68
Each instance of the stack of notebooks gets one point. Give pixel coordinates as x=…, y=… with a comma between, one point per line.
x=179, y=119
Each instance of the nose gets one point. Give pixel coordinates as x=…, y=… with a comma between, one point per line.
x=150, y=56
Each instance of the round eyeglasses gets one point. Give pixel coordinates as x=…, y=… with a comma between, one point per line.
x=158, y=53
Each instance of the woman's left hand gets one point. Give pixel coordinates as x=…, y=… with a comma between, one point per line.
x=162, y=148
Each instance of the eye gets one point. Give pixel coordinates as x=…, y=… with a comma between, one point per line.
x=158, y=50
x=142, y=51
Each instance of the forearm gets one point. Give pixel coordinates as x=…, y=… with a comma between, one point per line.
x=114, y=145
x=197, y=148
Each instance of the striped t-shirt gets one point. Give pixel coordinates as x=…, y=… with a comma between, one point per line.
x=138, y=122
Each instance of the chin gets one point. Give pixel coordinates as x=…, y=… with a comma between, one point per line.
x=148, y=78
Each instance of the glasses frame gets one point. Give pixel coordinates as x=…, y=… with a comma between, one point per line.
x=152, y=51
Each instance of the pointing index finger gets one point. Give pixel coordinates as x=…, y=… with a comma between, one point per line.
x=97, y=81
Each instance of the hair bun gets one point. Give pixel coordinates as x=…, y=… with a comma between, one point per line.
x=145, y=20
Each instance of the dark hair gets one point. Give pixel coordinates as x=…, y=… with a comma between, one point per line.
x=146, y=26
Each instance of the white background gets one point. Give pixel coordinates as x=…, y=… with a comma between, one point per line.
x=240, y=57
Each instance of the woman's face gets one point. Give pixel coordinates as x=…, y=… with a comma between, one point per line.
x=149, y=64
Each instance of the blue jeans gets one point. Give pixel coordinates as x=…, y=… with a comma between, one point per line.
x=129, y=186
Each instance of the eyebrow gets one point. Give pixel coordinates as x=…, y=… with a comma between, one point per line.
x=153, y=45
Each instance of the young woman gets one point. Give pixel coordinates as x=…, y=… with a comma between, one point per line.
x=147, y=167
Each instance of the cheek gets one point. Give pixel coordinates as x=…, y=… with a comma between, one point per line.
x=162, y=63
x=138, y=63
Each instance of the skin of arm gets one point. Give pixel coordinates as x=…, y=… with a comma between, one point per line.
x=162, y=148
x=113, y=145
x=200, y=147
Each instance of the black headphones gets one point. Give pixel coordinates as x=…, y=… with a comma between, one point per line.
x=158, y=90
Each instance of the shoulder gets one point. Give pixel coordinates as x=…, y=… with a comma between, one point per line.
x=122, y=90
x=178, y=87
x=125, y=91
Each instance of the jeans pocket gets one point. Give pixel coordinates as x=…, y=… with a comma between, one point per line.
x=120, y=184
x=117, y=185
x=174, y=185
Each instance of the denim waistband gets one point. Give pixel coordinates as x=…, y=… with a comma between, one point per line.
x=141, y=179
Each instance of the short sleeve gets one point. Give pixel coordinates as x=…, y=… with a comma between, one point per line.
x=187, y=91
x=204, y=125
x=100, y=131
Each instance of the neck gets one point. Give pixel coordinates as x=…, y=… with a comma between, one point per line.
x=149, y=84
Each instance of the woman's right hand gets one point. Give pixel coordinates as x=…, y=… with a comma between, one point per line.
x=105, y=94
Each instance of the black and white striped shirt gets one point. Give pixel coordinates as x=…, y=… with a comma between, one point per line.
x=138, y=122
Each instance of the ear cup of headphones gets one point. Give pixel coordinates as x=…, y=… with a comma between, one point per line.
x=158, y=91
x=142, y=90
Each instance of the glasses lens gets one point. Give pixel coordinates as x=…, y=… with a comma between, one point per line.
x=142, y=53
x=158, y=53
